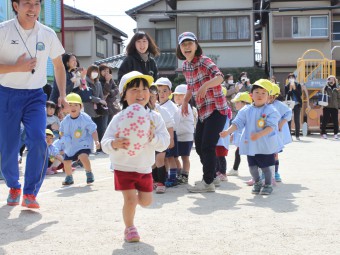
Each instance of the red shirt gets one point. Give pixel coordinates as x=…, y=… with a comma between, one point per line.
x=197, y=72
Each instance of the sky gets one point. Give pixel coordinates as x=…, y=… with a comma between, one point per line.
x=112, y=11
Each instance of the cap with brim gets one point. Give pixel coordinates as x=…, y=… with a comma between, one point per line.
x=242, y=97
x=180, y=90
x=49, y=132
x=265, y=84
x=163, y=81
x=275, y=90
x=74, y=98
x=186, y=36
x=331, y=76
x=131, y=76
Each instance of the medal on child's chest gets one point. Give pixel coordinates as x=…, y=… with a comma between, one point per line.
x=77, y=133
x=261, y=122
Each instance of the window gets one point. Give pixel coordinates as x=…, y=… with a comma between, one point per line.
x=287, y=27
x=101, y=47
x=336, y=30
x=224, y=28
x=115, y=49
x=166, y=39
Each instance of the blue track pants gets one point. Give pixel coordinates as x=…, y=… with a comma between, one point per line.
x=29, y=107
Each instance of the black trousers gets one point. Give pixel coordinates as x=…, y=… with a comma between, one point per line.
x=206, y=138
x=327, y=114
x=296, y=111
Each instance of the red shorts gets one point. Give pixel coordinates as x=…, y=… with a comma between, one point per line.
x=133, y=180
x=221, y=151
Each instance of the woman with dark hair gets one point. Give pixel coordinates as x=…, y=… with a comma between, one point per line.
x=293, y=91
x=70, y=64
x=203, y=80
x=139, y=58
x=110, y=91
x=91, y=80
x=243, y=82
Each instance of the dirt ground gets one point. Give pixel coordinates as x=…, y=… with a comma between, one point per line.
x=302, y=216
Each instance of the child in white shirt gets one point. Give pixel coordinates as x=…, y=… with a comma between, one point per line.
x=185, y=133
x=132, y=175
x=164, y=92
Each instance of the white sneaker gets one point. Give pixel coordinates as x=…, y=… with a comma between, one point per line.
x=232, y=172
x=336, y=137
x=202, y=187
x=324, y=136
x=216, y=182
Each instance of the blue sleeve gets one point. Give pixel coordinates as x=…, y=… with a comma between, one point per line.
x=90, y=126
x=240, y=119
x=273, y=117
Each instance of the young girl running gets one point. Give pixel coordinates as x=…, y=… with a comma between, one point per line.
x=132, y=175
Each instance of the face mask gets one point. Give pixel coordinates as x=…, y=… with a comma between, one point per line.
x=230, y=82
x=94, y=75
x=330, y=83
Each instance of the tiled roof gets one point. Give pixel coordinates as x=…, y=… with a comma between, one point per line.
x=113, y=62
x=166, y=61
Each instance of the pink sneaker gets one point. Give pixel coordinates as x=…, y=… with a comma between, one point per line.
x=250, y=182
x=131, y=234
x=222, y=177
x=160, y=189
x=49, y=171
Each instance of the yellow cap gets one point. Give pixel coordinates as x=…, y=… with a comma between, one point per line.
x=265, y=84
x=49, y=132
x=242, y=97
x=131, y=76
x=224, y=91
x=73, y=98
x=275, y=90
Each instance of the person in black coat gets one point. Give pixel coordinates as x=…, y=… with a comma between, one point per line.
x=293, y=91
x=140, y=52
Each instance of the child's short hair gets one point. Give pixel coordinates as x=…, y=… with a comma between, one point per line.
x=253, y=87
x=50, y=104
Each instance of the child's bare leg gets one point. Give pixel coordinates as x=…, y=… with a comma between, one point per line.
x=84, y=159
x=144, y=198
x=68, y=167
x=186, y=163
x=129, y=207
x=56, y=163
x=172, y=162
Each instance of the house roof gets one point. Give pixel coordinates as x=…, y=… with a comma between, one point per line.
x=132, y=12
x=165, y=61
x=91, y=16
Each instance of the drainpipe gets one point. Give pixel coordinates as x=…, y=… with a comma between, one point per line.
x=269, y=48
x=62, y=23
